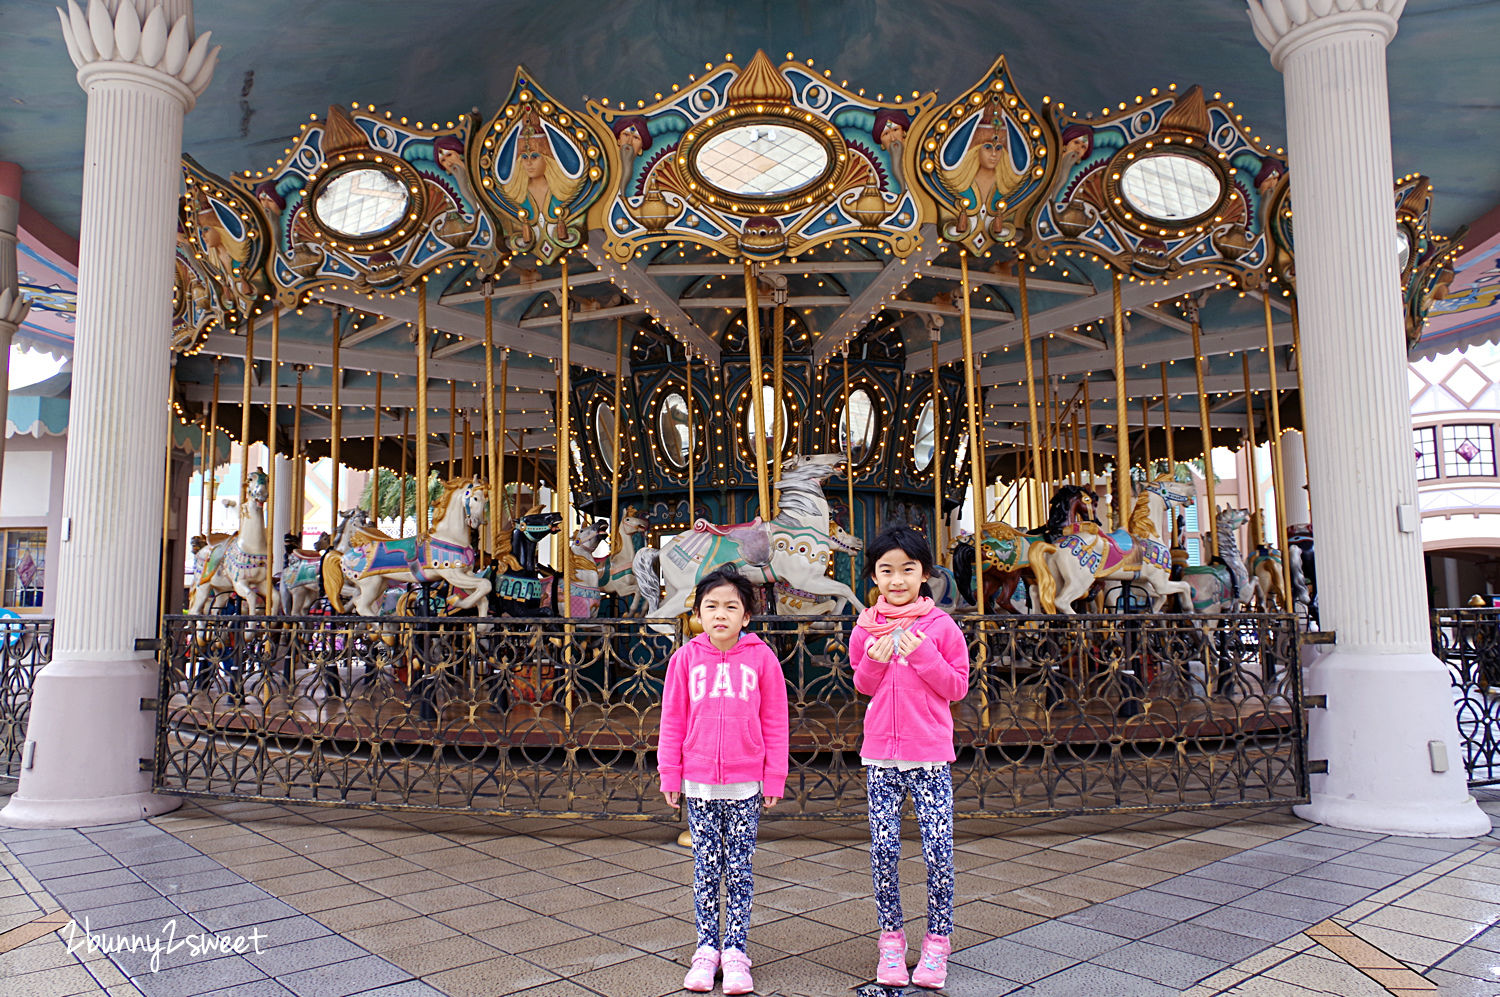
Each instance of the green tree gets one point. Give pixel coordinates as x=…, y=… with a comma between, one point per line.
x=390, y=494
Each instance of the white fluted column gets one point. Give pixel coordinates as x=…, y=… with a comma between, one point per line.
x=13, y=307
x=87, y=731
x=1294, y=474
x=285, y=474
x=1390, y=717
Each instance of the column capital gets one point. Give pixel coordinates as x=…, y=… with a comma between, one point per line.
x=1285, y=25
x=13, y=309
x=123, y=44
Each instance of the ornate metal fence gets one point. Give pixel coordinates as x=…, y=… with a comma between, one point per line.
x=544, y=716
x=25, y=647
x=1468, y=641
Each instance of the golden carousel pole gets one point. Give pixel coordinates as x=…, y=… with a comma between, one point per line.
x=778, y=349
x=491, y=442
x=1122, y=428
x=405, y=435
x=692, y=461
x=452, y=424
x=202, y=469
x=1257, y=528
x=299, y=480
x=1038, y=500
x=757, y=388
x=375, y=455
x=213, y=438
x=270, y=510
x=934, y=333
x=468, y=464
x=976, y=442
x=1166, y=421
x=1088, y=433
x=1278, y=476
x=1049, y=452
x=564, y=428
x=615, y=540
x=1077, y=476
x=1146, y=433
x=420, y=464
x=1208, y=445
x=245, y=412
x=500, y=440
x=337, y=413
x=849, y=443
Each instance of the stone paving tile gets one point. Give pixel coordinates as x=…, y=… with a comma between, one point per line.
x=340, y=979
x=1166, y=966
x=1012, y=961
x=1072, y=940
x=1118, y=920
x=1205, y=941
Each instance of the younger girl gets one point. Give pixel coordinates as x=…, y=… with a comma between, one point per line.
x=723, y=745
x=911, y=659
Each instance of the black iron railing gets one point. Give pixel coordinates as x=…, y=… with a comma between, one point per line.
x=25, y=647
x=545, y=716
x=1468, y=642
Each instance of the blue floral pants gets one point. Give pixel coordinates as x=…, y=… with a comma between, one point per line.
x=932, y=797
x=723, y=845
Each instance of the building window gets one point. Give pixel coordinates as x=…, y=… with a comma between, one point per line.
x=25, y=567
x=1468, y=451
x=1424, y=445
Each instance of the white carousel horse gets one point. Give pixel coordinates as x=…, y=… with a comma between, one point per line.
x=584, y=569
x=792, y=547
x=241, y=563
x=617, y=570
x=1222, y=588
x=374, y=560
x=793, y=601
x=1085, y=554
x=302, y=576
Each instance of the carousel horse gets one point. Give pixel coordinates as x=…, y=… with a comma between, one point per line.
x=791, y=601
x=792, y=547
x=616, y=570
x=1007, y=557
x=1270, y=582
x=1085, y=553
x=1304, y=569
x=302, y=575
x=584, y=593
x=1223, y=586
x=445, y=553
x=240, y=563
x=521, y=584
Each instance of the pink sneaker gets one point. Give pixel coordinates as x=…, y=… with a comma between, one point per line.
x=737, y=972
x=891, y=971
x=932, y=967
x=700, y=978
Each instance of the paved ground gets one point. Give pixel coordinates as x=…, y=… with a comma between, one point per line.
x=326, y=903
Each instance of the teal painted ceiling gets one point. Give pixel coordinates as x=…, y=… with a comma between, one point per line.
x=286, y=59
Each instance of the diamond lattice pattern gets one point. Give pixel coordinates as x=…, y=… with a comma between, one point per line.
x=362, y=202
x=1170, y=187
x=761, y=160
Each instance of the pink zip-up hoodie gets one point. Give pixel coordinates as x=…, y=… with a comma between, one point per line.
x=724, y=717
x=908, y=718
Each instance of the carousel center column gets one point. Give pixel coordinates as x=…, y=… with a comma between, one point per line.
x=142, y=69
x=1389, y=733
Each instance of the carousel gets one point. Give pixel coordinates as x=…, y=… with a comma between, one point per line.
x=588, y=353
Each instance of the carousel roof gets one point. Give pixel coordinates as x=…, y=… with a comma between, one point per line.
x=619, y=89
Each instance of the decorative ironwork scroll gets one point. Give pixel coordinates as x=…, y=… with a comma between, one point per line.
x=1082, y=714
x=25, y=648
x=1468, y=642
x=762, y=162
x=541, y=167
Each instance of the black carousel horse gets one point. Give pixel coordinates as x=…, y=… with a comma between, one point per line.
x=518, y=590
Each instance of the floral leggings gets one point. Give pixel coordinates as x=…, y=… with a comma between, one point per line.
x=932, y=797
x=723, y=845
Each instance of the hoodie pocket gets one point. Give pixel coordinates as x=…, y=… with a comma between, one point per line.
x=695, y=730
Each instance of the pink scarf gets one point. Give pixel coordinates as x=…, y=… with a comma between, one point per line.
x=883, y=618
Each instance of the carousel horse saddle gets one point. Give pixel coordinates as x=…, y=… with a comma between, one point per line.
x=752, y=538
x=310, y=556
x=368, y=534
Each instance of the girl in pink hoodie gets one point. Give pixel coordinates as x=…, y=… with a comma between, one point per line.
x=723, y=745
x=911, y=659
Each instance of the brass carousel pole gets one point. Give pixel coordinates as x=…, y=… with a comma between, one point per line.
x=1077, y=476
x=1088, y=432
x=849, y=443
x=1257, y=528
x=375, y=455
x=757, y=389
x=1049, y=452
x=1208, y=445
x=1278, y=476
x=1146, y=433
x=1122, y=428
x=337, y=414
x=468, y=464
x=976, y=442
x=202, y=469
x=500, y=441
x=614, y=464
x=1166, y=421
x=245, y=411
x=692, y=432
x=491, y=442
x=270, y=512
x=299, y=480
x=452, y=424
x=405, y=435
x=213, y=462
x=420, y=464
x=778, y=354
x=937, y=465
x=1038, y=500
x=564, y=429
